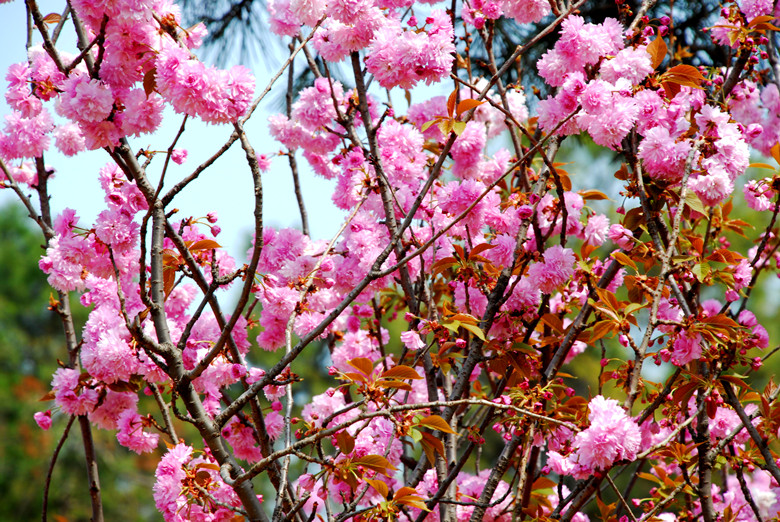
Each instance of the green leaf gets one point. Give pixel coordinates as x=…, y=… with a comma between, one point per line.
x=701, y=271
x=453, y=326
x=694, y=203
x=633, y=307
x=429, y=123
x=445, y=126
x=476, y=330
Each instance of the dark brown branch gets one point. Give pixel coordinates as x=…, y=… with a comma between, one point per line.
x=761, y=443
x=92, y=469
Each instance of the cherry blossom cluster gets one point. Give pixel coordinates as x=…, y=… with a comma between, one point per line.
x=467, y=290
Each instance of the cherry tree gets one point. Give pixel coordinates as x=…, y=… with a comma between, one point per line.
x=467, y=278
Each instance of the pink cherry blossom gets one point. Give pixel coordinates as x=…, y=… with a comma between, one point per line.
x=611, y=436
x=412, y=340
x=558, y=266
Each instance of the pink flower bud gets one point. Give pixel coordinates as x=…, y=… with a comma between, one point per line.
x=179, y=156
x=525, y=212
x=43, y=419
x=263, y=162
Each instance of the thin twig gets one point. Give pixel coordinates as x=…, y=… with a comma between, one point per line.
x=52, y=462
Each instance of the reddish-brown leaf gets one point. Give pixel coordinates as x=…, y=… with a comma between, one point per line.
x=608, y=298
x=553, y=321
x=736, y=381
x=602, y=328
x=775, y=151
x=150, y=81
x=433, y=444
x=624, y=260
x=592, y=195
x=345, y=442
x=202, y=478
x=379, y=486
x=437, y=423
x=204, y=244
x=376, y=463
x=671, y=89
x=721, y=320
x=401, y=385
x=52, y=18
x=415, y=501
x=762, y=23
x=464, y=318
x=451, y=103
x=683, y=74
x=657, y=50
x=404, y=492
x=362, y=364
x=169, y=279
x=479, y=249
x=356, y=377
x=543, y=483
x=443, y=264
x=467, y=105
x=401, y=372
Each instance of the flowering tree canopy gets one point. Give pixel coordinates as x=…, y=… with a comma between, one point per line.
x=467, y=278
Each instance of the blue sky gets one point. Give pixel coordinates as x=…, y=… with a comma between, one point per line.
x=225, y=188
